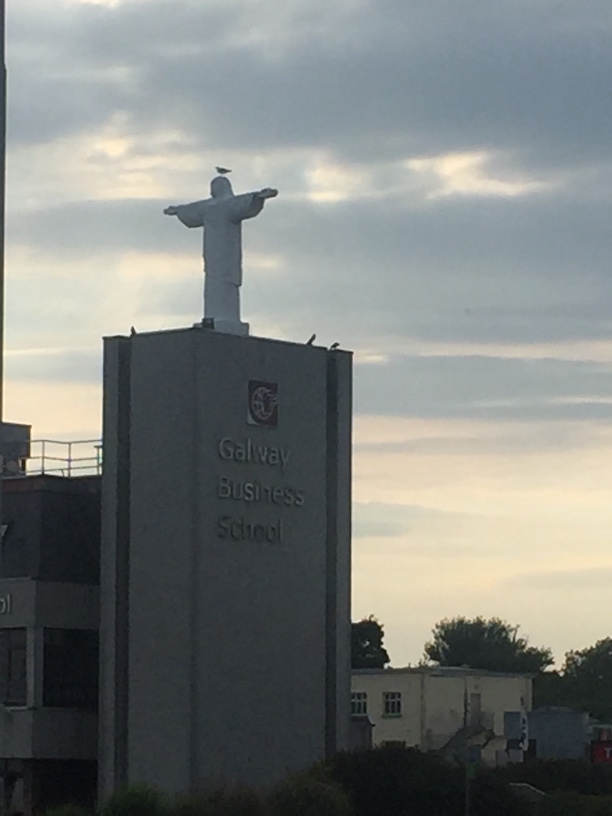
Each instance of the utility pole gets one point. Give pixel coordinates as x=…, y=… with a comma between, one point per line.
x=2, y=234
x=2, y=195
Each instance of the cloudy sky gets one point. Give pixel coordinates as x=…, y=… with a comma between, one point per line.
x=445, y=177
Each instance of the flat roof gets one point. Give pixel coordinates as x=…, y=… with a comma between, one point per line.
x=50, y=483
x=440, y=671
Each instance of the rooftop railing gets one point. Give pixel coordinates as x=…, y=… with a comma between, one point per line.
x=59, y=458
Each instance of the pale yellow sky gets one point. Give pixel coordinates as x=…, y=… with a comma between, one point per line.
x=383, y=189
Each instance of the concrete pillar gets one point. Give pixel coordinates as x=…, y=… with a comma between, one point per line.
x=35, y=666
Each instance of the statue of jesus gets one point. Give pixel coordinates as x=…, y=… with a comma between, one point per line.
x=221, y=216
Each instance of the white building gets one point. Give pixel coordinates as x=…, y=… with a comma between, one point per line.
x=440, y=708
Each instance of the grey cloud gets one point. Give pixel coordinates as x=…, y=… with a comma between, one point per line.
x=486, y=388
x=382, y=520
x=473, y=271
x=528, y=436
x=461, y=269
x=61, y=365
x=530, y=77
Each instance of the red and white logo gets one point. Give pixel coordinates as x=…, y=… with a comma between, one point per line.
x=263, y=403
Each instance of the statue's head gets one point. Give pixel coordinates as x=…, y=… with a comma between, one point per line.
x=220, y=187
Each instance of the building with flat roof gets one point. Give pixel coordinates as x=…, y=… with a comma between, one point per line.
x=225, y=581
x=49, y=618
x=440, y=708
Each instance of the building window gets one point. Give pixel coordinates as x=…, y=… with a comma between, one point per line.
x=392, y=703
x=70, y=674
x=359, y=703
x=13, y=682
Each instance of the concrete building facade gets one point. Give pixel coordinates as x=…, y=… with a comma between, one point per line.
x=225, y=583
x=440, y=708
x=49, y=618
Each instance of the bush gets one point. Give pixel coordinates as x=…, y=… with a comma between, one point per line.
x=407, y=782
x=220, y=801
x=137, y=800
x=564, y=803
x=489, y=795
x=68, y=810
x=399, y=781
x=552, y=775
x=310, y=794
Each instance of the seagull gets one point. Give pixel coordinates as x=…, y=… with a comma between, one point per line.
x=311, y=340
x=334, y=346
x=222, y=170
x=132, y=331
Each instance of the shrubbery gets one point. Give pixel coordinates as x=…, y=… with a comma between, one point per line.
x=387, y=781
x=68, y=810
x=550, y=775
x=220, y=801
x=408, y=782
x=310, y=794
x=567, y=803
x=137, y=800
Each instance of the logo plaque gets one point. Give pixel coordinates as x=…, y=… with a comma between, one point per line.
x=263, y=403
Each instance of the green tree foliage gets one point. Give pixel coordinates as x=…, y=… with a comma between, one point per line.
x=367, y=650
x=549, y=690
x=587, y=679
x=493, y=645
x=583, y=683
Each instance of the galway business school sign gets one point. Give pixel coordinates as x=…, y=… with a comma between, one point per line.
x=264, y=483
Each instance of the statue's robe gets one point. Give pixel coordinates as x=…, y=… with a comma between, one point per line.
x=221, y=218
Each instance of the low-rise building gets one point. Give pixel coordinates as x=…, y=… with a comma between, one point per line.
x=49, y=620
x=441, y=708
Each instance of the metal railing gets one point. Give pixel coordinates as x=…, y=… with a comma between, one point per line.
x=55, y=457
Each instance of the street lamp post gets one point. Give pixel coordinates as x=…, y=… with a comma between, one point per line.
x=2, y=234
x=2, y=193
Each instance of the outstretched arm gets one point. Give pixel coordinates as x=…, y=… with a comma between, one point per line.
x=267, y=192
x=248, y=205
x=191, y=215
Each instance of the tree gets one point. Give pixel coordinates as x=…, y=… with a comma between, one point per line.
x=367, y=650
x=493, y=645
x=587, y=679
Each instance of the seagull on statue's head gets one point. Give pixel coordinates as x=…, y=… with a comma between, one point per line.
x=222, y=170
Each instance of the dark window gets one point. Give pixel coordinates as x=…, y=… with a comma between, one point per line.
x=392, y=703
x=359, y=703
x=70, y=668
x=13, y=682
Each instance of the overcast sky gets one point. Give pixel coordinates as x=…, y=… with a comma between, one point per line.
x=445, y=177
